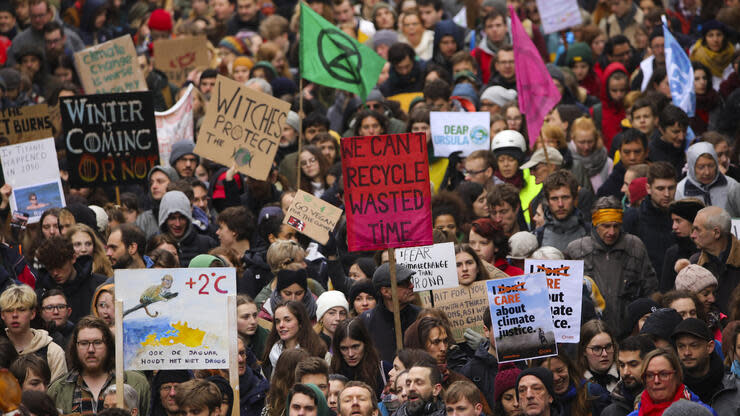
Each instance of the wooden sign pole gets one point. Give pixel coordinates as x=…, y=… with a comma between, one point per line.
x=394, y=292
x=233, y=352
x=119, y=352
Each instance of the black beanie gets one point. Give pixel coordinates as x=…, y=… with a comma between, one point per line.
x=286, y=278
x=367, y=265
x=541, y=373
x=686, y=208
x=361, y=286
x=173, y=376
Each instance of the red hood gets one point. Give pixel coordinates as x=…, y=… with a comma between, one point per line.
x=608, y=72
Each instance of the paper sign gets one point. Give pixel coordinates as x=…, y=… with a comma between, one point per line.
x=111, y=139
x=736, y=227
x=110, y=67
x=312, y=216
x=565, y=285
x=32, y=170
x=177, y=57
x=559, y=15
x=464, y=306
x=520, y=317
x=164, y=327
x=460, y=132
x=387, y=196
x=242, y=126
x=26, y=123
x=175, y=125
x=434, y=265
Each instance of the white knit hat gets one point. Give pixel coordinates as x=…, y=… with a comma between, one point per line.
x=694, y=278
x=328, y=300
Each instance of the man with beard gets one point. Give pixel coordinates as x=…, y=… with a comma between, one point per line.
x=651, y=221
x=176, y=220
x=92, y=364
x=629, y=358
x=702, y=368
x=683, y=213
x=125, y=247
x=357, y=398
x=424, y=391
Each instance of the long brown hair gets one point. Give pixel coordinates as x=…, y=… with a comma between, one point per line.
x=283, y=378
x=101, y=263
x=589, y=330
x=368, y=368
x=306, y=336
x=575, y=375
x=324, y=166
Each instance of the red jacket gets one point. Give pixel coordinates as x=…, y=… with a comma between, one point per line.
x=612, y=113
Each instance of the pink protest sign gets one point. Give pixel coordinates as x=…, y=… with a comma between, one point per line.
x=387, y=196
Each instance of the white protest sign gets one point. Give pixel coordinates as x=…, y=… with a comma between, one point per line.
x=434, y=265
x=175, y=318
x=736, y=227
x=460, y=132
x=175, y=125
x=565, y=284
x=520, y=317
x=559, y=15
x=32, y=170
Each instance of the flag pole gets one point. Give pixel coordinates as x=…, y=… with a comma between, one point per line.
x=300, y=132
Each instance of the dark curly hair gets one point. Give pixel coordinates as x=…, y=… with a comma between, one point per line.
x=55, y=252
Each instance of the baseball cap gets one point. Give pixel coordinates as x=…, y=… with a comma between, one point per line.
x=695, y=327
x=553, y=156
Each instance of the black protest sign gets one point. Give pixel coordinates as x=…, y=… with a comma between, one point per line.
x=111, y=139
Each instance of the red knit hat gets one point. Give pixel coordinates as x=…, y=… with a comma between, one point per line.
x=638, y=189
x=505, y=380
x=160, y=19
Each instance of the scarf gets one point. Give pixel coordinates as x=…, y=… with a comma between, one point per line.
x=308, y=301
x=703, y=191
x=735, y=368
x=648, y=408
x=593, y=163
x=517, y=180
x=715, y=61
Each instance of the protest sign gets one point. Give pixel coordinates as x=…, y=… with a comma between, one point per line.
x=565, y=285
x=312, y=216
x=164, y=327
x=434, y=265
x=460, y=132
x=736, y=227
x=520, y=316
x=386, y=191
x=175, y=125
x=25, y=123
x=242, y=126
x=177, y=57
x=110, y=67
x=464, y=305
x=32, y=170
x=111, y=139
x=559, y=15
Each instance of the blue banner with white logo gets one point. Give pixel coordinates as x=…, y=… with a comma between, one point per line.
x=680, y=74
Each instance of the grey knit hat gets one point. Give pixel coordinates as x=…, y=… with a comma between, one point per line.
x=686, y=408
x=694, y=278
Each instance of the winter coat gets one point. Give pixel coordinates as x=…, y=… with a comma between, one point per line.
x=30, y=36
x=191, y=243
x=707, y=386
x=631, y=23
x=447, y=28
x=43, y=345
x=483, y=55
x=164, y=93
x=379, y=321
x=622, y=271
x=13, y=268
x=727, y=401
x=598, y=398
x=623, y=401
x=683, y=249
x=559, y=234
x=612, y=113
x=661, y=151
x=79, y=291
x=726, y=271
x=481, y=369
x=62, y=390
x=653, y=227
x=714, y=193
x=688, y=395
x=397, y=84
x=256, y=273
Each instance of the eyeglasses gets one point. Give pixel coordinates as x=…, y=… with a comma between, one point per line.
x=473, y=172
x=97, y=343
x=168, y=387
x=308, y=161
x=49, y=308
x=598, y=349
x=662, y=376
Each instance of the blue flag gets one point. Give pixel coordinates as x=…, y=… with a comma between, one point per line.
x=680, y=74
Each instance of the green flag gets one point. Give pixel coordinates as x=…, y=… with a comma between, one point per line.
x=331, y=57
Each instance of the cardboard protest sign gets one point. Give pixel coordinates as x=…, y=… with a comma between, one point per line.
x=110, y=67
x=460, y=132
x=175, y=125
x=32, y=170
x=111, y=139
x=736, y=227
x=26, y=123
x=464, y=305
x=312, y=216
x=434, y=265
x=242, y=126
x=520, y=316
x=386, y=191
x=565, y=286
x=177, y=57
x=164, y=327
x=559, y=15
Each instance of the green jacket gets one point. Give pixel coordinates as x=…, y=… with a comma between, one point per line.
x=62, y=390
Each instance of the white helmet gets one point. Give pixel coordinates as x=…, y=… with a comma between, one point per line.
x=509, y=138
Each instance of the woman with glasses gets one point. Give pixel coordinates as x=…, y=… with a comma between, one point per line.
x=596, y=354
x=314, y=167
x=661, y=376
x=355, y=356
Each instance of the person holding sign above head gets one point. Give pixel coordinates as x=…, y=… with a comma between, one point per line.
x=175, y=220
x=618, y=262
x=355, y=357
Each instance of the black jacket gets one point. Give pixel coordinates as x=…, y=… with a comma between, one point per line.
x=79, y=291
x=653, y=227
x=481, y=370
x=707, y=386
x=683, y=249
x=194, y=243
x=379, y=321
x=662, y=151
x=623, y=401
x=256, y=273
x=613, y=184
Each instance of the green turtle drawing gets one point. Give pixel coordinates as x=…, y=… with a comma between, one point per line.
x=242, y=157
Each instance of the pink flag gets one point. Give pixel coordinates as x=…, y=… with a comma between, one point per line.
x=536, y=90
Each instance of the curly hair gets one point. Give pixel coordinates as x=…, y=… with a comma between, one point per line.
x=55, y=252
x=91, y=322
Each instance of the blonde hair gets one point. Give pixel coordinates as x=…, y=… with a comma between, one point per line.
x=101, y=262
x=282, y=253
x=18, y=296
x=554, y=132
x=587, y=124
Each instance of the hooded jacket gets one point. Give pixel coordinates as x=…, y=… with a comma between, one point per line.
x=612, y=112
x=651, y=225
x=54, y=353
x=105, y=287
x=559, y=234
x=148, y=220
x=397, y=83
x=79, y=291
x=447, y=28
x=715, y=193
x=661, y=151
x=88, y=33
x=322, y=409
x=191, y=243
